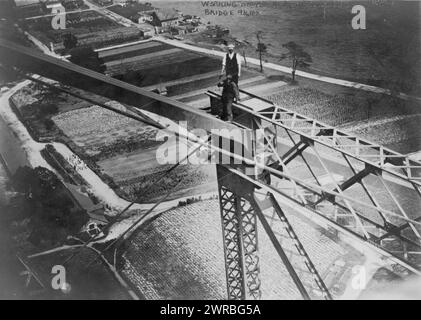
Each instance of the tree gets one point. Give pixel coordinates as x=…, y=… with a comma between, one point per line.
x=297, y=55
x=22, y=179
x=261, y=48
x=69, y=41
x=51, y=210
x=241, y=46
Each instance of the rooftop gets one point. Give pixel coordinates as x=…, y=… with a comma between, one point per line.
x=166, y=14
x=21, y=3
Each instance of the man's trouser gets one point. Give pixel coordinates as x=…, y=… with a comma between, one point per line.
x=227, y=108
x=235, y=79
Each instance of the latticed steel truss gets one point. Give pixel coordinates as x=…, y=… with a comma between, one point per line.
x=239, y=228
x=365, y=188
x=240, y=208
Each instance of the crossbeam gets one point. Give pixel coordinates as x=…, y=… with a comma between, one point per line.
x=314, y=134
x=328, y=136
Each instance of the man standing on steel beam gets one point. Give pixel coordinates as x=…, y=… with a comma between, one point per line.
x=231, y=64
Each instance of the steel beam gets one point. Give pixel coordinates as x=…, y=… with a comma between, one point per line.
x=295, y=151
x=374, y=159
x=31, y=60
x=239, y=229
x=317, y=132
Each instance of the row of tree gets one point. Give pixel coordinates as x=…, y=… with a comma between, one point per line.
x=295, y=53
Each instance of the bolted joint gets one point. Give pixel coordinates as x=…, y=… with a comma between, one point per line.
x=372, y=169
x=328, y=196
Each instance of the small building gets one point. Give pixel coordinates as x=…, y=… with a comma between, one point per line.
x=183, y=29
x=200, y=28
x=136, y=12
x=177, y=31
x=144, y=18
x=53, y=4
x=147, y=31
x=22, y=3
x=104, y=2
x=164, y=19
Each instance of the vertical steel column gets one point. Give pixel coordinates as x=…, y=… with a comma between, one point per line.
x=232, y=244
x=250, y=247
x=239, y=228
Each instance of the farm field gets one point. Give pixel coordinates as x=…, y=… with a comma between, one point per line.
x=375, y=117
x=185, y=181
x=98, y=130
x=324, y=107
x=125, y=151
x=400, y=133
x=169, y=56
x=156, y=62
x=132, y=51
x=135, y=172
x=182, y=88
x=173, y=71
x=90, y=28
x=180, y=256
x=36, y=106
x=34, y=93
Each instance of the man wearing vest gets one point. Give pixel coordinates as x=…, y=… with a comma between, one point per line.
x=232, y=64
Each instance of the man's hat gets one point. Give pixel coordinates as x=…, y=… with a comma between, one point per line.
x=231, y=46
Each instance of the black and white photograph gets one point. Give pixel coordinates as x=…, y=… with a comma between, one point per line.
x=211, y=151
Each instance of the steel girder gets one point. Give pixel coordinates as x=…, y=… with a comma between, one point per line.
x=240, y=206
x=34, y=61
x=377, y=211
x=239, y=229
